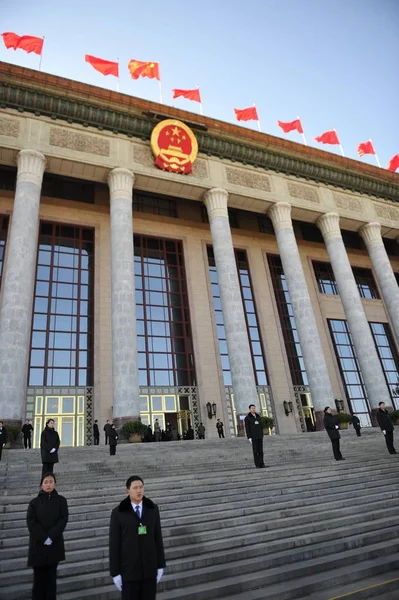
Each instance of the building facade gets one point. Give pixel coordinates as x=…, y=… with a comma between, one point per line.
x=268, y=274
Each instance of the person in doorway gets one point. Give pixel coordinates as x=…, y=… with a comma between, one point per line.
x=136, y=552
x=106, y=429
x=27, y=434
x=332, y=429
x=190, y=433
x=168, y=432
x=254, y=431
x=356, y=425
x=201, y=432
x=49, y=444
x=96, y=433
x=3, y=437
x=220, y=428
x=157, y=431
x=386, y=425
x=113, y=440
x=46, y=518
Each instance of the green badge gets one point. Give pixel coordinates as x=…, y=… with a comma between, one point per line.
x=256, y=423
x=142, y=530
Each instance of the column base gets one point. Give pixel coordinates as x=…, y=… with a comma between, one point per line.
x=319, y=414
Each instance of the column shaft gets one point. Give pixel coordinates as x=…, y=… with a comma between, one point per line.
x=373, y=376
x=371, y=234
x=242, y=373
x=18, y=285
x=126, y=404
x=312, y=350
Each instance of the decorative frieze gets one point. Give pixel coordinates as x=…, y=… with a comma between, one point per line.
x=248, y=179
x=347, y=202
x=9, y=127
x=386, y=212
x=302, y=192
x=200, y=169
x=80, y=142
x=143, y=155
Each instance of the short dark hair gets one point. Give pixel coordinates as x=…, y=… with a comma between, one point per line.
x=326, y=409
x=96, y=421
x=379, y=404
x=252, y=405
x=47, y=475
x=2, y=422
x=48, y=421
x=132, y=479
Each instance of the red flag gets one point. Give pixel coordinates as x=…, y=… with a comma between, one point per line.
x=329, y=137
x=138, y=69
x=106, y=67
x=246, y=114
x=23, y=42
x=366, y=148
x=189, y=94
x=393, y=163
x=291, y=126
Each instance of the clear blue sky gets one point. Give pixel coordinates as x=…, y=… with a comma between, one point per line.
x=333, y=62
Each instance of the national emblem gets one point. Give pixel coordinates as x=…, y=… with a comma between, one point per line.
x=174, y=146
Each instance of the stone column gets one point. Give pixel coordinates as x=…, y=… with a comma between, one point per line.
x=370, y=366
x=125, y=381
x=18, y=286
x=312, y=350
x=242, y=373
x=371, y=234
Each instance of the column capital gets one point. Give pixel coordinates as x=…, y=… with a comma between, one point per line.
x=216, y=201
x=329, y=225
x=31, y=165
x=371, y=234
x=280, y=214
x=121, y=183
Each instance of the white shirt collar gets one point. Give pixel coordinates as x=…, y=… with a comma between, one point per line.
x=139, y=505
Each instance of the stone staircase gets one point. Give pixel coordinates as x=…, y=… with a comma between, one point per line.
x=307, y=527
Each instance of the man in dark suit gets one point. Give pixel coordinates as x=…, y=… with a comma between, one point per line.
x=96, y=433
x=3, y=437
x=27, y=434
x=356, y=425
x=332, y=429
x=107, y=427
x=254, y=431
x=136, y=553
x=386, y=425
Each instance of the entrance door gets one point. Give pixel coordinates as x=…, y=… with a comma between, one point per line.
x=171, y=418
x=308, y=412
x=68, y=414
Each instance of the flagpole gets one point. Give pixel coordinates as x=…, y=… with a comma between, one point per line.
x=117, y=79
x=303, y=135
x=201, y=111
x=258, y=120
x=376, y=155
x=340, y=145
x=41, y=54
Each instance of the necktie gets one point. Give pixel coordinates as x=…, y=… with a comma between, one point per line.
x=137, y=509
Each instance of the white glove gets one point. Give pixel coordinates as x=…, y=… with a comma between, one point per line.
x=48, y=542
x=52, y=450
x=118, y=582
x=159, y=575
x=249, y=440
x=384, y=432
x=336, y=427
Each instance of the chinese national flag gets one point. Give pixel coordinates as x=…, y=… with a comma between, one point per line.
x=23, y=42
x=329, y=137
x=106, y=67
x=393, y=163
x=189, y=94
x=365, y=148
x=291, y=126
x=246, y=114
x=138, y=69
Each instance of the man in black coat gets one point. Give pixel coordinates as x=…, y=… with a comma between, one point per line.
x=96, y=433
x=112, y=439
x=386, y=425
x=136, y=553
x=254, y=431
x=3, y=437
x=332, y=429
x=106, y=429
x=220, y=428
x=356, y=425
x=27, y=433
x=49, y=444
x=46, y=518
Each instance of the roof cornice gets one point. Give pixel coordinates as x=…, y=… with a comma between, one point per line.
x=58, y=98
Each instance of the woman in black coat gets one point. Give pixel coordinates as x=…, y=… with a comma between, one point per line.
x=112, y=440
x=49, y=444
x=332, y=429
x=46, y=519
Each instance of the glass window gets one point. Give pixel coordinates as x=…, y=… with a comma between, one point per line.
x=389, y=359
x=60, y=297
x=68, y=404
x=365, y=283
x=154, y=204
x=52, y=404
x=325, y=278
